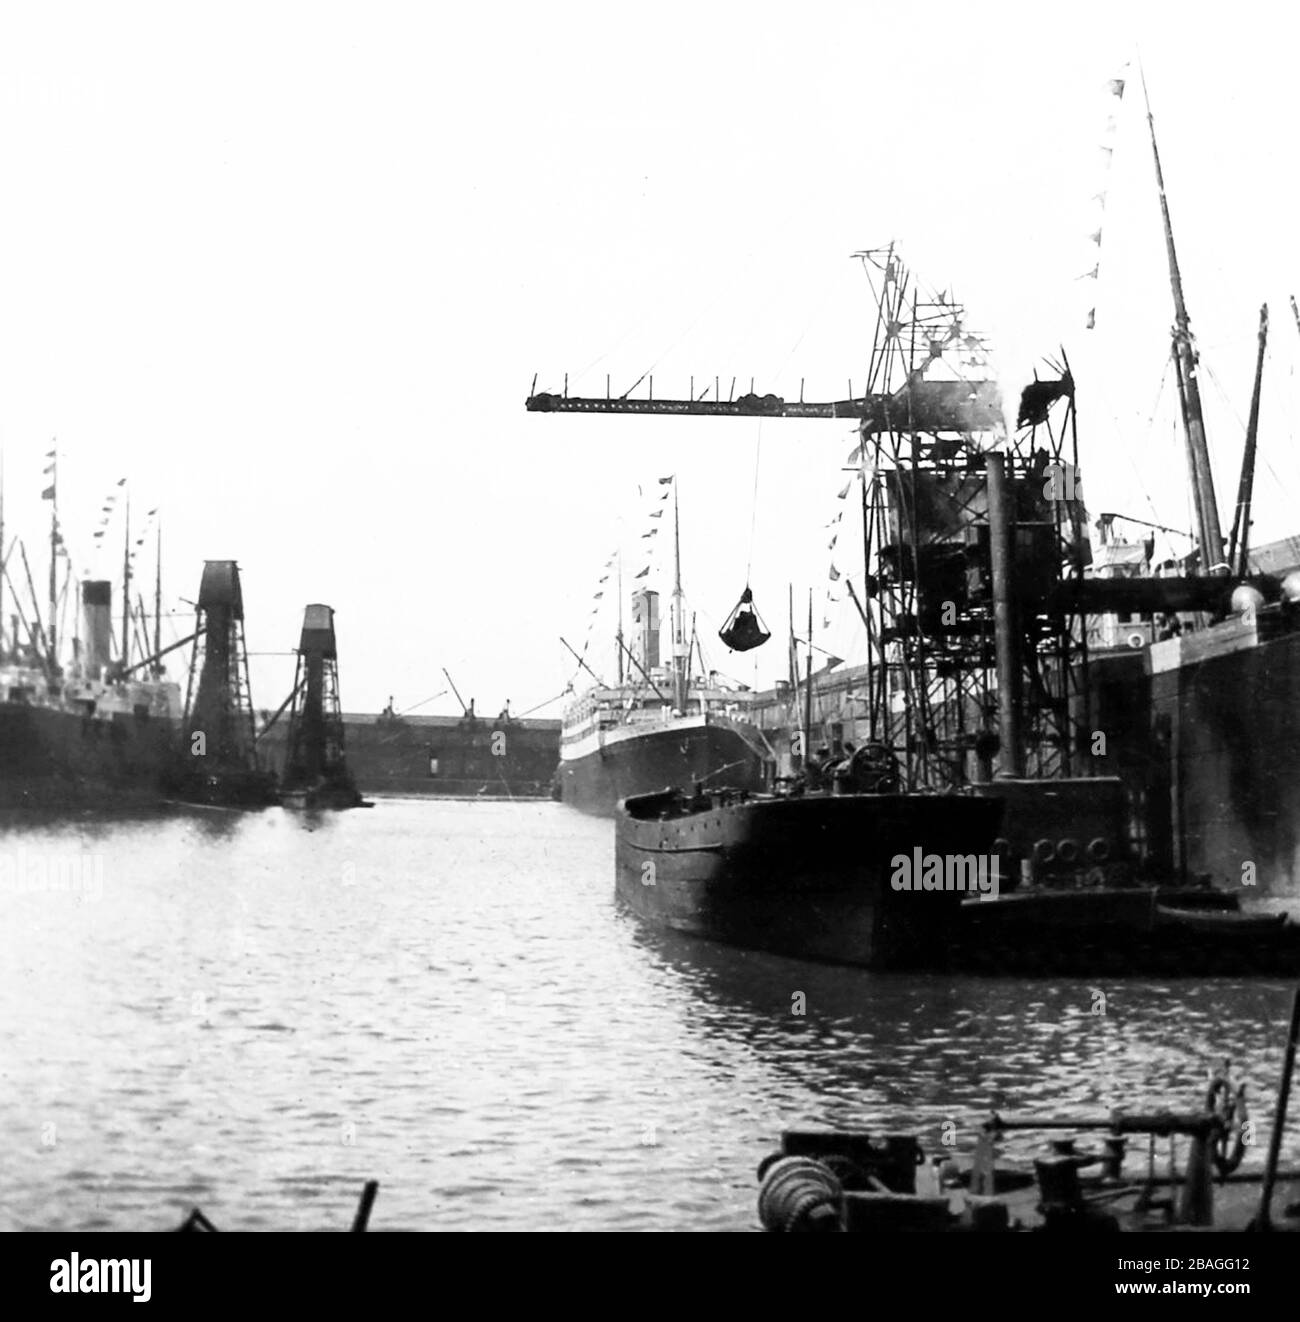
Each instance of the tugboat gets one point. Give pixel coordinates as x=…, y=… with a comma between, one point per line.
x=218, y=764
x=316, y=773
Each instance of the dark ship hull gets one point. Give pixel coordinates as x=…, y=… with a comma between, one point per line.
x=1233, y=723
x=1165, y=931
x=221, y=787
x=809, y=877
x=446, y=756
x=331, y=797
x=1206, y=734
x=54, y=758
x=717, y=752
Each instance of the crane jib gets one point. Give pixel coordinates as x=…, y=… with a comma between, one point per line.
x=923, y=406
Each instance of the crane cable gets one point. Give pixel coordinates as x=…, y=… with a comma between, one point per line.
x=753, y=504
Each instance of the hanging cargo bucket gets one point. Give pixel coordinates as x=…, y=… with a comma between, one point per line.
x=744, y=630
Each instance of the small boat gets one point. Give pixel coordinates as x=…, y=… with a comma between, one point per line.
x=232, y=787
x=864, y=1181
x=1171, y=930
x=1220, y=922
x=812, y=876
x=324, y=797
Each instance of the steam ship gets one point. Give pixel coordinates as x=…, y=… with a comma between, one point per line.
x=616, y=742
x=660, y=727
x=96, y=731
x=84, y=738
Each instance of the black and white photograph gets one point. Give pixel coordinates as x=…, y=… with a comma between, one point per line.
x=676, y=619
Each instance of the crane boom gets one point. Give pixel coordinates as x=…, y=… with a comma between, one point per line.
x=921, y=406
x=456, y=691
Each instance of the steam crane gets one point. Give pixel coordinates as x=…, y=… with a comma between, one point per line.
x=929, y=415
x=217, y=763
x=316, y=773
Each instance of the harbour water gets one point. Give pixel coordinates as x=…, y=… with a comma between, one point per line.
x=255, y=1013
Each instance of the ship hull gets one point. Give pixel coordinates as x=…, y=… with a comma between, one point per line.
x=217, y=786
x=464, y=758
x=716, y=753
x=810, y=878
x=52, y=759
x=1234, y=748
x=1164, y=931
x=1205, y=732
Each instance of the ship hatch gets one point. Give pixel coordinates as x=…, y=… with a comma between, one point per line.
x=744, y=629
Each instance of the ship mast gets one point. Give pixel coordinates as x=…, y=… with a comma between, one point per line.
x=679, y=659
x=157, y=607
x=126, y=587
x=1209, y=530
x=54, y=551
x=1239, y=541
x=619, y=635
x=2, y=548
x=808, y=691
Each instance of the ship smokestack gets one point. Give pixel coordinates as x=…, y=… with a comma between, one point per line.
x=97, y=610
x=645, y=627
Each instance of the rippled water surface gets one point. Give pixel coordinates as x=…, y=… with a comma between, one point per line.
x=254, y=1014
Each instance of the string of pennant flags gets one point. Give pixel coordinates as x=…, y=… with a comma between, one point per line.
x=1115, y=95
x=50, y=492
x=835, y=594
x=109, y=508
x=649, y=536
x=597, y=601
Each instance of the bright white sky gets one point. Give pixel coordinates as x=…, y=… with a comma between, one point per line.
x=291, y=268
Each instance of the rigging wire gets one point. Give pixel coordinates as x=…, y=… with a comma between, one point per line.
x=563, y=693
x=753, y=504
x=1223, y=395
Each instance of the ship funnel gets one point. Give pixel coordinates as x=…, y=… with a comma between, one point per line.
x=645, y=626
x=97, y=610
